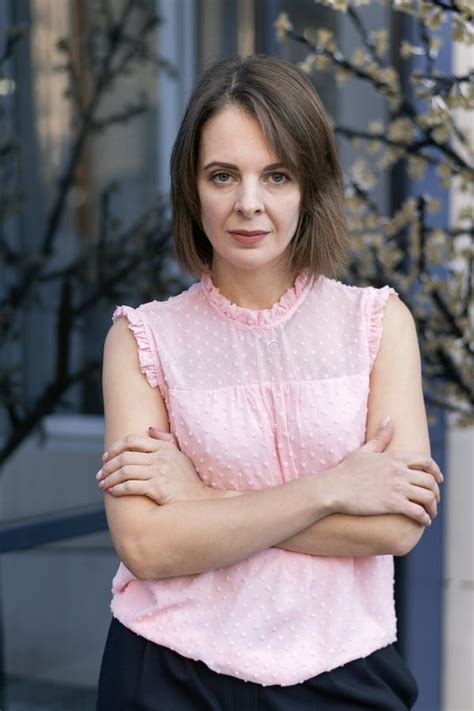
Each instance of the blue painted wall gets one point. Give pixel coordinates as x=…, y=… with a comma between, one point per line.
x=420, y=574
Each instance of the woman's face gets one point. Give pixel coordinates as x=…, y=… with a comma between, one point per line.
x=244, y=188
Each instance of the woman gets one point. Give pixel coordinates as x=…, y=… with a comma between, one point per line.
x=257, y=529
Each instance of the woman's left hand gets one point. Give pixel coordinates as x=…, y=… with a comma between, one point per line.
x=151, y=466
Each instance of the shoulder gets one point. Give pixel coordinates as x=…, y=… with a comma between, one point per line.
x=379, y=313
x=397, y=319
x=337, y=288
x=170, y=303
x=132, y=339
x=148, y=311
x=354, y=292
x=398, y=337
x=383, y=301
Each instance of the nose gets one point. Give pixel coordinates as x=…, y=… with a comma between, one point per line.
x=249, y=198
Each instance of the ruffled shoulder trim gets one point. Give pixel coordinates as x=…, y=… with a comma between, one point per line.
x=147, y=356
x=375, y=304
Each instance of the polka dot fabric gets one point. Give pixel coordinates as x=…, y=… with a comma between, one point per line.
x=256, y=398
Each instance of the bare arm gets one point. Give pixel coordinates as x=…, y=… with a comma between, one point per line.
x=345, y=535
x=395, y=389
x=194, y=536
x=189, y=536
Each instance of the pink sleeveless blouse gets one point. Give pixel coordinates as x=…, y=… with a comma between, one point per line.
x=256, y=398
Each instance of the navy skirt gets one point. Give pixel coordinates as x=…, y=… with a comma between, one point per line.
x=139, y=675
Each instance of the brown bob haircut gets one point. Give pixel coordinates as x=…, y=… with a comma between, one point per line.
x=285, y=103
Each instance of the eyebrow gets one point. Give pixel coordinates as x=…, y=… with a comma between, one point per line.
x=272, y=166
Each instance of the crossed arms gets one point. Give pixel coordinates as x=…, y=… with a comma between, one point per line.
x=192, y=536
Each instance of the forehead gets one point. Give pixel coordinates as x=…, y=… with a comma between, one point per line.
x=234, y=133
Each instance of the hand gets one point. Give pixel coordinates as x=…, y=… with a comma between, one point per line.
x=151, y=466
x=370, y=481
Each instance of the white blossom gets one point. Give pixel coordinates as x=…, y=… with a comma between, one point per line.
x=282, y=26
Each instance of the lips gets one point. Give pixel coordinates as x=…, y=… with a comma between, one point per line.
x=248, y=233
x=249, y=237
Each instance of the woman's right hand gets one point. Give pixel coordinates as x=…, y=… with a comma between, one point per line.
x=370, y=481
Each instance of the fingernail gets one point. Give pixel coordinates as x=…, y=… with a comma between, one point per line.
x=105, y=456
x=155, y=429
x=99, y=474
x=385, y=421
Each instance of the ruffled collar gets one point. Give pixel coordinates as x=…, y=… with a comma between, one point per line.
x=289, y=300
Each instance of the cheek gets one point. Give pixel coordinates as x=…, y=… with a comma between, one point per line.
x=287, y=211
x=212, y=209
x=207, y=208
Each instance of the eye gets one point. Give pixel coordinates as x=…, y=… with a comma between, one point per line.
x=216, y=175
x=216, y=178
x=284, y=175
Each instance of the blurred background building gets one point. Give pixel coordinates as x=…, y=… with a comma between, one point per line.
x=58, y=561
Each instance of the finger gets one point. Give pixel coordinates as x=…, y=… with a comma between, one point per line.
x=133, y=442
x=381, y=437
x=417, y=513
x=415, y=460
x=123, y=459
x=161, y=434
x=426, y=498
x=430, y=467
x=131, y=487
x=125, y=473
x=421, y=478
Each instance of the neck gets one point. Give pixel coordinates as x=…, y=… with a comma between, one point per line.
x=252, y=289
